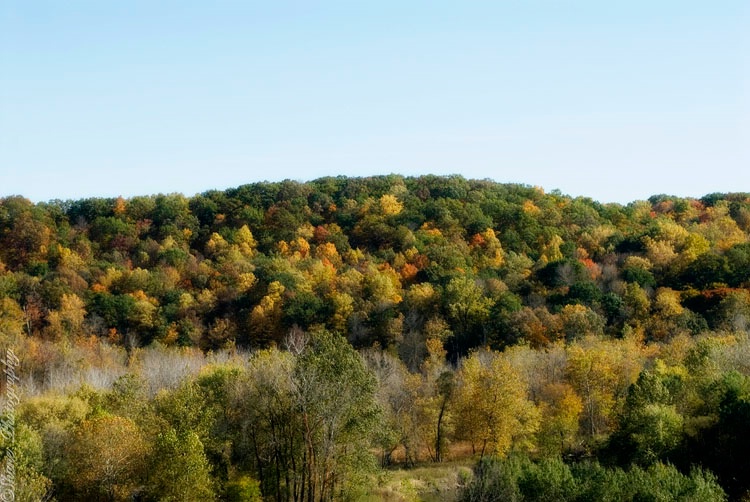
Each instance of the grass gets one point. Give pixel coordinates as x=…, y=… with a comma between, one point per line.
x=423, y=483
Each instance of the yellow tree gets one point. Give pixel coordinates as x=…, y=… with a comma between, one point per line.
x=673, y=247
x=561, y=409
x=551, y=251
x=106, y=457
x=68, y=320
x=71, y=267
x=486, y=250
x=637, y=304
x=245, y=241
x=343, y=307
x=720, y=229
x=11, y=321
x=667, y=314
x=591, y=372
x=435, y=399
x=390, y=205
x=577, y=321
x=494, y=412
x=468, y=309
x=601, y=372
x=265, y=318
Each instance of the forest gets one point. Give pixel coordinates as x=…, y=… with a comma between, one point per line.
x=295, y=341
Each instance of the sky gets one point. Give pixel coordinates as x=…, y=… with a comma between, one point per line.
x=611, y=100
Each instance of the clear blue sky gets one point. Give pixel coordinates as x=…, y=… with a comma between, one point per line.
x=616, y=100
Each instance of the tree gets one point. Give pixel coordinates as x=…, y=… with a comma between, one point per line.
x=305, y=419
x=264, y=416
x=561, y=410
x=24, y=236
x=389, y=205
x=105, y=458
x=601, y=372
x=243, y=489
x=487, y=251
x=395, y=396
x=179, y=470
x=467, y=309
x=493, y=410
x=336, y=398
x=265, y=318
x=652, y=423
x=721, y=447
x=578, y=321
x=11, y=321
x=23, y=452
x=434, y=393
x=516, y=479
x=68, y=320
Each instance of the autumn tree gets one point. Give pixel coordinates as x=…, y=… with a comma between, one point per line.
x=435, y=399
x=264, y=322
x=561, y=410
x=494, y=412
x=106, y=458
x=601, y=372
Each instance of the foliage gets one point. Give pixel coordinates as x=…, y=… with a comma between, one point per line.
x=105, y=458
x=185, y=475
x=226, y=326
x=494, y=412
x=519, y=478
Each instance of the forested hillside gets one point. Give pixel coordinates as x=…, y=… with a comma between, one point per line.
x=291, y=340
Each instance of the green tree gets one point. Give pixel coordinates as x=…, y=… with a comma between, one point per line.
x=651, y=427
x=244, y=489
x=179, y=470
x=336, y=399
x=23, y=451
x=266, y=423
x=468, y=309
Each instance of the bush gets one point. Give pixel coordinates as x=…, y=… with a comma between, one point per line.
x=244, y=489
x=517, y=479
